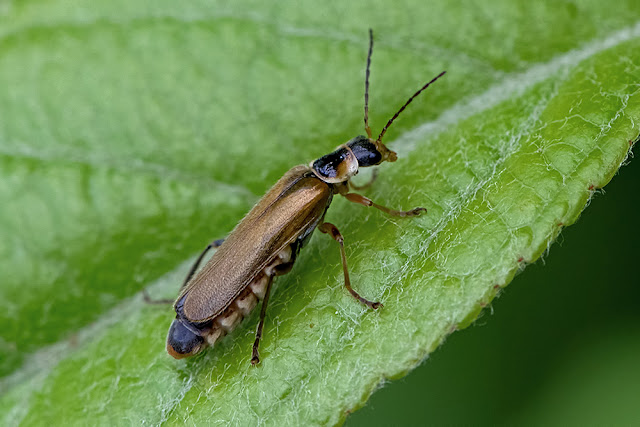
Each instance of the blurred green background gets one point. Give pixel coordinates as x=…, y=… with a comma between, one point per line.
x=559, y=346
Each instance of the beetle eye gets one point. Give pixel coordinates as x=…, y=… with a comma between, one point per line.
x=182, y=342
x=365, y=151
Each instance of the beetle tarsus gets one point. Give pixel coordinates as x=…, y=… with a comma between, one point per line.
x=416, y=211
x=371, y=304
x=376, y=305
x=147, y=299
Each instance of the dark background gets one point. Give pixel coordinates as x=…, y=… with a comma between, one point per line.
x=560, y=345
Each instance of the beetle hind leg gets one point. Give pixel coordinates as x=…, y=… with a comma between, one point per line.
x=255, y=356
x=149, y=300
x=333, y=231
x=196, y=264
x=192, y=270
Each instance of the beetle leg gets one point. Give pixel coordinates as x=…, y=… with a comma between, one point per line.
x=147, y=299
x=194, y=267
x=333, y=231
x=255, y=356
x=196, y=264
x=365, y=201
x=366, y=185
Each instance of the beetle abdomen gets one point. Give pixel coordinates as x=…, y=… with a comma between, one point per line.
x=241, y=307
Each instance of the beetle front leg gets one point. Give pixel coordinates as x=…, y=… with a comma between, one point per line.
x=365, y=201
x=333, y=231
x=374, y=175
x=255, y=356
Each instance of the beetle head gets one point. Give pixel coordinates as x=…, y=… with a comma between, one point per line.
x=343, y=163
x=370, y=152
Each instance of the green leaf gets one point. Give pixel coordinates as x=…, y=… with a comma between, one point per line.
x=130, y=137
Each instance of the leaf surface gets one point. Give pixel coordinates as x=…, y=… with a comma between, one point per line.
x=131, y=137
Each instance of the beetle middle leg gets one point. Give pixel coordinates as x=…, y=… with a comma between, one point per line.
x=192, y=270
x=333, y=231
x=365, y=201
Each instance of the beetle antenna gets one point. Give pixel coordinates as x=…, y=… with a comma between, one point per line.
x=366, y=86
x=384, y=129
